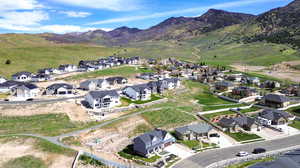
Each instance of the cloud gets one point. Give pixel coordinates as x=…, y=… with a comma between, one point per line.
x=62, y=29
x=115, y=5
x=183, y=11
x=7, y=5
x=75, y=14
x=21, y=20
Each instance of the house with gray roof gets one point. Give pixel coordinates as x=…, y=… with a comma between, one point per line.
x=88, y=85
x=68, y=68
x=102, y=83
x=270, y=117
x=138, y=92
x=117, y=80
x=40, y=77
x=22, y=76
x=237, y=124
x=103, y=99
x=60, y=89
x=152, y=142
x=224, y=86
x=194, y=132
x=25, y=91
x=8, y=86
x=171, y=83
x=276, y=100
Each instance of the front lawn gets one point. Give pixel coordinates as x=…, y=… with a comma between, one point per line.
x=252, y=109
x=250, y=163
x=129, y=101
x=295, y=124
x=169, y=117
x=192, y=144
x=240, y=136
x=128, y=153
x=295, y=111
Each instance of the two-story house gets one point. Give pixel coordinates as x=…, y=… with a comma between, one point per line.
x=103, y=99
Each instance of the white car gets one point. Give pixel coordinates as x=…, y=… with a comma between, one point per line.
x=242, y=154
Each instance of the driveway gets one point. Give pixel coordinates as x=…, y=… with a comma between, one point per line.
x=223, y=141
x=179, y=150
x=270, y=134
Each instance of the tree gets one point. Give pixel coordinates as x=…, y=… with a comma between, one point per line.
x=7, y=62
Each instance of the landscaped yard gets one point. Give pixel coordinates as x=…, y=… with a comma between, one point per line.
x=124, y=71
x=214, y=107
x=169, y=117
x=295, y=111
x=295, y=124
x=194, y=144
x=128, y=153
x=240, y=136
x=252, y=109
x=129, y=101
x=46, y=124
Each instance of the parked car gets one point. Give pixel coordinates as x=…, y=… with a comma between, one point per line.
x=242, y=154
x=214, y=135
x=259, y=150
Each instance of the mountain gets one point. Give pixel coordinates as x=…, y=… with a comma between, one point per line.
x=280, y=25
x=174, y=28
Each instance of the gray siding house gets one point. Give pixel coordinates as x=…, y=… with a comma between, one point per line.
x=152, y=142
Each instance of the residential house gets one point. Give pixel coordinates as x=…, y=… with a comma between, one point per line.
x=103, y=99
x=293, y=90
x=8, y=86
x=270, y=84
x=138, y=92
x=276, y=100
x=237, y=124
x=156, y=87
x=60, y=89
x=40, y=77
x=117, y=80
x=68, y=68
x=171, y=83
x=235, y=77
x=274, y=117
x=88, y=85
x=152, y=61
x=2, y=79
x=152, y=142
x=194, y=132
x=147, y=76
x=224, y=86
x=253, y=80
x=102, y=83
x=25, y=91
x=46, y=71
x=22, y=76
x=244, y=91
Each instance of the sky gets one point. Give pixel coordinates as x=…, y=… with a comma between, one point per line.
x=64, y=16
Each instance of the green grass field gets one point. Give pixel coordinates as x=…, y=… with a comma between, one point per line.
x=213, y=115
x=167, y=118
x=128, y=153
x=129, y=101
x=27, y=161
x=250, y=163
x=45, y=124
x=239, y=136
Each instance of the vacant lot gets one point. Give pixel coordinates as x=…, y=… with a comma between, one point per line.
x=24, y=152
x=124, y=71
x=46, y=124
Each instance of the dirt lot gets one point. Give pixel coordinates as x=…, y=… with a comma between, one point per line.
x=74, y=111
x=112, y=138
x=281, y=71
x=23, y=147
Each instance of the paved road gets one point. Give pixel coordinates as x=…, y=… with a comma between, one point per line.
x=204, y=159
x=39, y=101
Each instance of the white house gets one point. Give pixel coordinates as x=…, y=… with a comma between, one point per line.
x=2, y=79
x=68, y=68
x=102, y=83
x=8, y=86
x=88, y=85
x=22, y=76
x=138, y=92
x=60, y=89
x=172, y=83
x=103, y=99
x=25, y=91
